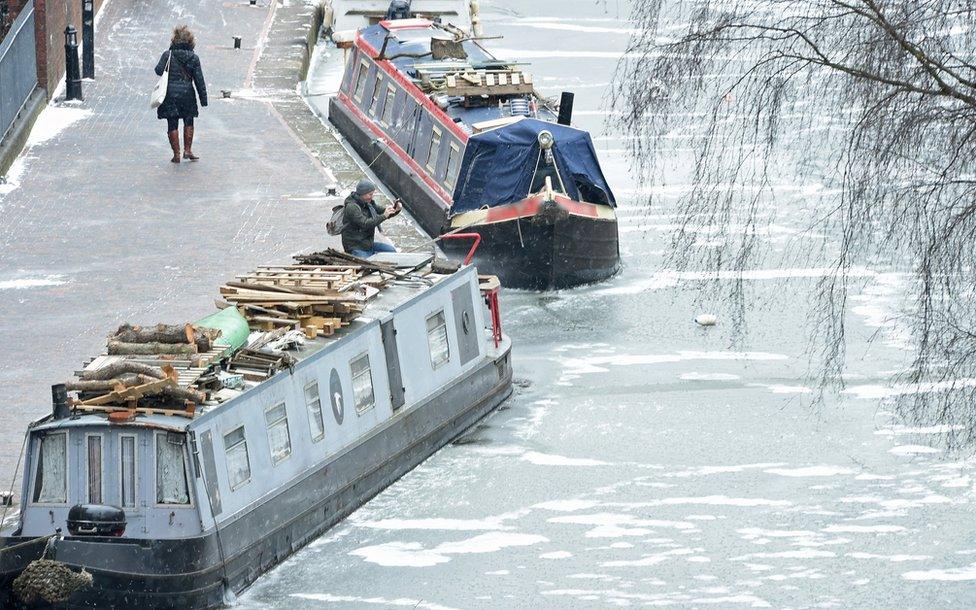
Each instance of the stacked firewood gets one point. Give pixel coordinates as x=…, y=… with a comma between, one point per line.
x=142, y=374
x=315, y=299
x=162, y=339
x=128, y=383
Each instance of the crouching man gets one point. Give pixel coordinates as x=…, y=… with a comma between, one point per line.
x=362, y=216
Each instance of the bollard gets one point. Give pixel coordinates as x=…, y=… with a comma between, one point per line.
x=88, y=37
x=237, y=42
x=72, y=71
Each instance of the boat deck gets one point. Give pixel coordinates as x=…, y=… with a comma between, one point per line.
x=291, y=313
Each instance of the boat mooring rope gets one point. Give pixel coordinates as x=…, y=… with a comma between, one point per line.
x=7, y=549
x=220, y=543
x=13, y=481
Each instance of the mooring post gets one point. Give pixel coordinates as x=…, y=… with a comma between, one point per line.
x=88, y=37
x=72, y=76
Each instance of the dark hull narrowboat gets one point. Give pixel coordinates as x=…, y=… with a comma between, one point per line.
x=212, y=498
x=471, y=147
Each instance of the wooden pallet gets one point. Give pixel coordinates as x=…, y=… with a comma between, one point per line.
x=188, y=412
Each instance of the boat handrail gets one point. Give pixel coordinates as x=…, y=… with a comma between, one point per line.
x=477, y=242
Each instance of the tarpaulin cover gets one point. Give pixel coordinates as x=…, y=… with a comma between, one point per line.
x=498, y=165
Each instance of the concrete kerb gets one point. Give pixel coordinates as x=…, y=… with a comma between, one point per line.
x=13, y=144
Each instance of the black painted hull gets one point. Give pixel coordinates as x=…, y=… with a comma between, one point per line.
x=542, y=252
x=548, y=251
x=187, y=574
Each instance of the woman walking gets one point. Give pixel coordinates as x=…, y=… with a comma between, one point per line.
x=181, y=102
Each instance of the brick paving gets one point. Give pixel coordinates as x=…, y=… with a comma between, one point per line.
x=119, y=232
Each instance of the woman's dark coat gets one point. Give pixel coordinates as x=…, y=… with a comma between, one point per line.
x=184, y=73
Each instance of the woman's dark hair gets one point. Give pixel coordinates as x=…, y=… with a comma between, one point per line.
x=183, y=35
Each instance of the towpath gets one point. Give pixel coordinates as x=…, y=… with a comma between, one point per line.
x=98, y=227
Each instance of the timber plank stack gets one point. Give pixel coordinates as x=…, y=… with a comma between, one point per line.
x=315, y=299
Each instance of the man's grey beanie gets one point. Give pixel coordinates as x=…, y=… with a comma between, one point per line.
x=365, y=186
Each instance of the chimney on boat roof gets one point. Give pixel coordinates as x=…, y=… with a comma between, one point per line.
x=566, y=108
x=399, y=9
x=59, y=396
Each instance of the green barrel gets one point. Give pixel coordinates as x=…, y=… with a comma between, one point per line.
x=232, y=325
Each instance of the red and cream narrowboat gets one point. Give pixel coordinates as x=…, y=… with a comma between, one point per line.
x=470, y=146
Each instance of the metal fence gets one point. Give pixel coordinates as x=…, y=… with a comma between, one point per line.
x=18, y=68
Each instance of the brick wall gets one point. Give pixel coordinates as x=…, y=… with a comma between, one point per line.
x=13, y=9
x=51, y=17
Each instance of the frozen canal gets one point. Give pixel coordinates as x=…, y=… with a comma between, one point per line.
x=646, y=461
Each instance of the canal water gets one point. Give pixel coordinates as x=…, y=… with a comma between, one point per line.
x=647, y=461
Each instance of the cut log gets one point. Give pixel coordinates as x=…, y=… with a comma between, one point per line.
x=119, y=369
x=109, y=385
x=167, y=334
x=193, y=396
x=121, y=348
x=161, y=333
x=131, y=393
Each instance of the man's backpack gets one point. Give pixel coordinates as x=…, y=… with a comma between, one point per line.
x=338, y=221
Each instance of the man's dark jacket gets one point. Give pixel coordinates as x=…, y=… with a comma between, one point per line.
x=361, y=220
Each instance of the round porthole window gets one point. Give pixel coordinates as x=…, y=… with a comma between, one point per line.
x=335, y=395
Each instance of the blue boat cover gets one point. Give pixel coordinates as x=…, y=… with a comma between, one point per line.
x=499, y=165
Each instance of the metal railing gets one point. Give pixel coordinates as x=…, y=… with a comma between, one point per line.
x=18, y=68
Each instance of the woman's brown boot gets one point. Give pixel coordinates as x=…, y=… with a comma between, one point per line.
x=188, y=143
x=174, y=143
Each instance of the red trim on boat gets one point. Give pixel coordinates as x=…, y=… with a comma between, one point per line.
x=519, y=209
x=411, y=89
x=406, y=24
x=530, y=207
x=437, y=188
x=579, y=208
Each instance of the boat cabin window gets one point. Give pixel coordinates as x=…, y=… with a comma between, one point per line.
x=238, y=464
x=51, y=478
x=93, y=446
x=362, y=383
x=171, y=479
x=315, y=424
x=377, y=94
x=388, y=106
x=276, y=418
x=127, y=471
x=435, y=149
x=361, y=79
x=440, y=350
x=453, y=165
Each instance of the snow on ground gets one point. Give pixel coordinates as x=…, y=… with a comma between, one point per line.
x=51, y=122
x=32, y=282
